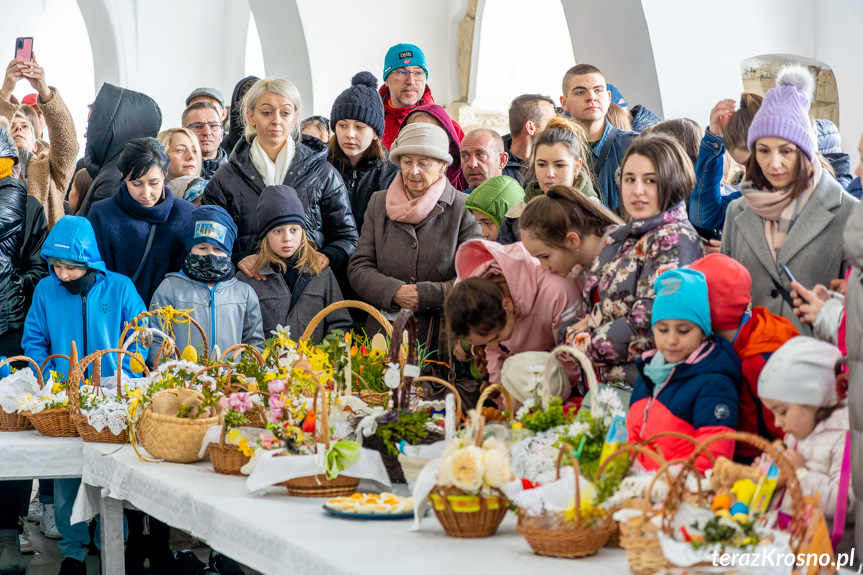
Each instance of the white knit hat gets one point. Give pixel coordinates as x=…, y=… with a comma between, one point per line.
x=520, y=374
x=421, y=139
x=802, y=372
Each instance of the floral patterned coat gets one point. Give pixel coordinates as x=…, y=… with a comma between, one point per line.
x=620, y=284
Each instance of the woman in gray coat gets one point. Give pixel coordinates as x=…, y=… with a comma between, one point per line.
x=789, y=223
x=406, y=254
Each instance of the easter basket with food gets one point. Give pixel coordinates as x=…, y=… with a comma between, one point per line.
x=100, y=415
x=16, y=387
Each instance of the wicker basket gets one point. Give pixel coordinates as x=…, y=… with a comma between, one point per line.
x=88, y=432
x=175, y=439
x=466, y=515
x=227, y=459
x=319, y=485
x=15, y=421
x=52, y=422
x=551, y=534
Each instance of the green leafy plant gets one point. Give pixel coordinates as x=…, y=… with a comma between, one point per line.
x=402, y=424
x=538, y=419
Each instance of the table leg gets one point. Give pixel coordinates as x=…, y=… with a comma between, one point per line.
x=113, y=552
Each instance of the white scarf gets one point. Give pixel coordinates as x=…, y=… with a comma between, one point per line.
x=272, y=172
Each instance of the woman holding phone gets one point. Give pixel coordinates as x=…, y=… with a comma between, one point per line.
x=789, y=224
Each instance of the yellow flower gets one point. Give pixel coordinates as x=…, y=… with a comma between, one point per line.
x=244, y=446
x=376, y=353
x=253, y=386
x=517, y=425
x=269, y=377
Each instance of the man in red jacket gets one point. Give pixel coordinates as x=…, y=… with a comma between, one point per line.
x=755, y=334
x=405, y=87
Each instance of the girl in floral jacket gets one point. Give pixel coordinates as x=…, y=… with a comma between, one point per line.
x=656, y=179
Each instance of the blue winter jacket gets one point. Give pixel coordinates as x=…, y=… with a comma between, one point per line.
x=95, y=319
x=710, y=197
x=608, y=187
x=855, y=188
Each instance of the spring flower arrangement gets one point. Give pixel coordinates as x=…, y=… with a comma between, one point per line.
x=473, y=469
x=52, y=396
x=297, y=361
x=234, y=407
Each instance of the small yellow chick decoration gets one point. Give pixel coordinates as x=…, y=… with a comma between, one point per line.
x=190, y=354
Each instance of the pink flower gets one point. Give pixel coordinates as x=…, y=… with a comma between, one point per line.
x=277, y=386
x=225, y=403
x=275, y=415
x=240, y=401
x=277, y=402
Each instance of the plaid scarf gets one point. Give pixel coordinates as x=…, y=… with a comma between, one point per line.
x=778, y=209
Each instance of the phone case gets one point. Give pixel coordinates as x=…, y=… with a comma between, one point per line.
x=26, y=50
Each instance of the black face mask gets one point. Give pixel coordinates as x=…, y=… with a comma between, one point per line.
x=208, y=268
x=80, y=285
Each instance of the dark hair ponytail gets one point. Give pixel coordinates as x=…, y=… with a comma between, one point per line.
x=474, y=305
x=141, y=154
x=562, y=210
x=736, y=131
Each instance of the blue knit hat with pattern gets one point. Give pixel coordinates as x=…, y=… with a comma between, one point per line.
x=681, y=294
x=402, y=56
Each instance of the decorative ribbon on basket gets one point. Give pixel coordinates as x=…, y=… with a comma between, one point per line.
x=82, y=422
x=366, y=395
x=168, y=317
x=54, y=422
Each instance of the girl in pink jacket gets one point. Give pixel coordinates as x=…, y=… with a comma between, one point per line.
x=798, y=384
x=503, y=302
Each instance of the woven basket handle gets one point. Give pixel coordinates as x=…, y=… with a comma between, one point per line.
x=647, y=442
x=227, y=366
x=239, y=348
x=319, y=317
x=320, y=391
x=448, y=385
x=147, y=314
x=632, y=450
x=35, y=365
x=72, y=358
x=77, y=375
x=586, y=367
x=567, y=448
x=774, y=450
x=507, y=397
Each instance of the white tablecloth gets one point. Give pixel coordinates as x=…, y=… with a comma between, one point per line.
x=28, y=454
x=277, y=534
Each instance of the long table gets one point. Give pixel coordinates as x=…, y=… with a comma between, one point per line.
x=30, y=455
x=277, y=534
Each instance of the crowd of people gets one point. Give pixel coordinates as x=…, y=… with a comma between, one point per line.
x=704, y=272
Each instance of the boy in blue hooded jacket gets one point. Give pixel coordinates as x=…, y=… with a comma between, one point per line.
x=79, y=301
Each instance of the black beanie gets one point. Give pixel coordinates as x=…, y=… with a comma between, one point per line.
x=279, y=206
x=360, y=102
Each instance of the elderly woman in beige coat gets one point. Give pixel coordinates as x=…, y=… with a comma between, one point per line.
x=405, y=258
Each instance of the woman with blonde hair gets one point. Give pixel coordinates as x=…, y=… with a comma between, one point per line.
x=273, y=153
x=295, y=288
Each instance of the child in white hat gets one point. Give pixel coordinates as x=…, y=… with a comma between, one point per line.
x=799, y=385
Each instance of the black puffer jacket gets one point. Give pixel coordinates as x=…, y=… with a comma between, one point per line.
x=237, y=185
x=23, y=229
x=117, y=116
x=364, y=180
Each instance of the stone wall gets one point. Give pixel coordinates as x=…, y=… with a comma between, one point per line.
x=762, y=78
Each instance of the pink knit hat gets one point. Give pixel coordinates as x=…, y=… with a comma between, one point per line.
x=785, y=111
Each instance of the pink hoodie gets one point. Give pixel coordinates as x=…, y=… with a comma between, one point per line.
x=544, y=302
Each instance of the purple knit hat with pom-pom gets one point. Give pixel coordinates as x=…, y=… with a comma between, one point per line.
x=785, y=111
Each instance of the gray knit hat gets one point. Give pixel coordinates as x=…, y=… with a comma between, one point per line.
x=421, y=139
x=360, y=102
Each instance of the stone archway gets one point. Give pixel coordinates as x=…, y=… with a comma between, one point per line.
x=759, y=76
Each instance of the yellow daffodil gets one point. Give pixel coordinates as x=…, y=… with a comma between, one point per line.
x=244, y=446
x=269, y=377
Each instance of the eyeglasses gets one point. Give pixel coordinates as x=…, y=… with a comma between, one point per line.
x=403, y=73
x=199, y=127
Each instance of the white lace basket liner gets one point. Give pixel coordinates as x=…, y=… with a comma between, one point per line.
x=20, y=392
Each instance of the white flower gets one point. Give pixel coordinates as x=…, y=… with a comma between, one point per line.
x=577, y=428
x=497, y=472
x=454, y=445
x=392, y=378
x=525, y=408
x=282, y=330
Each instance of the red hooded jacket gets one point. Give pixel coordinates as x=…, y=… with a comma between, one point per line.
x=759, y=337
x=393, y=117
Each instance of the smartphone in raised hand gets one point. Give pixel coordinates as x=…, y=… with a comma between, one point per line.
x=24, y=49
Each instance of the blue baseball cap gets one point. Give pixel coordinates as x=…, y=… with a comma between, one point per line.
x=402, y=56
x=211, y=225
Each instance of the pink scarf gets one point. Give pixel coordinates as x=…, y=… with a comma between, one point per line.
x=403, y=207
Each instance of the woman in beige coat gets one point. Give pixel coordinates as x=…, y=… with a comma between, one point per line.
x=405, y=258
x=46, y=173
